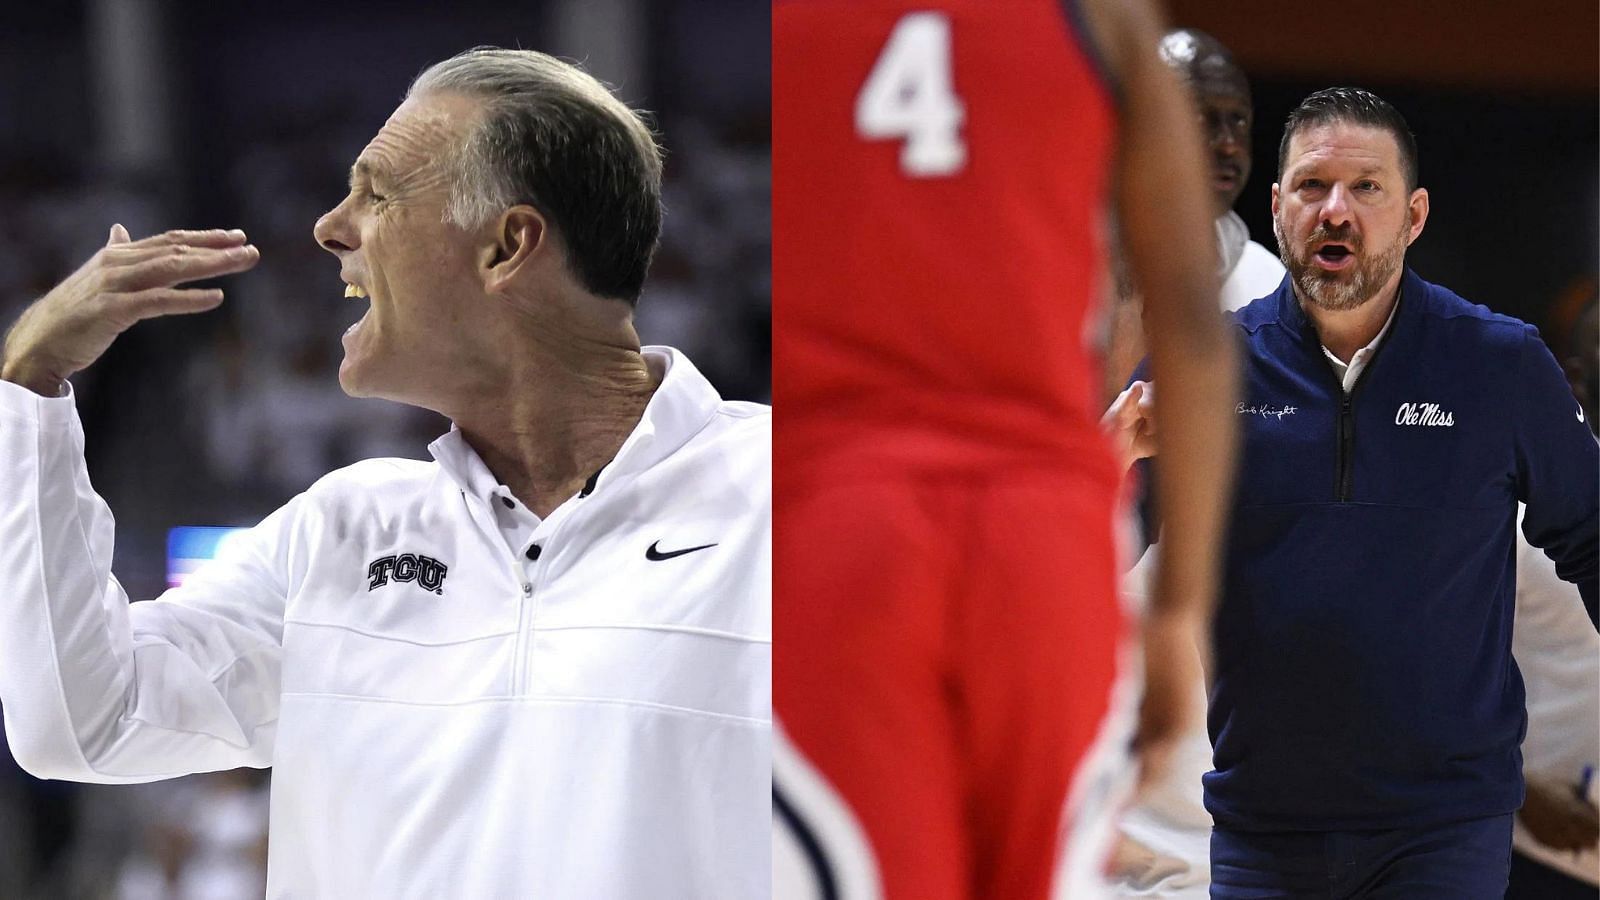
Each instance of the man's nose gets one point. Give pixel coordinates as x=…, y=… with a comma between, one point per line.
x=335, y=232
x=1227, y=140
x=1336, y=206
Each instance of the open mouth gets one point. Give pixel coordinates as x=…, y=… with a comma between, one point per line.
x=355, y=291
x=1334, y=256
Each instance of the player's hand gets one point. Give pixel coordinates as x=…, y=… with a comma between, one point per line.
x=1137, y=866
x=1173, y=665
x=70, y=327
x=1130, y=424
x=1557, y=817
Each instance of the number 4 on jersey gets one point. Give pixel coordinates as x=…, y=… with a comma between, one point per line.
x=908, y=96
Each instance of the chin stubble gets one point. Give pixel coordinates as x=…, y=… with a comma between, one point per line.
x=1325, y=290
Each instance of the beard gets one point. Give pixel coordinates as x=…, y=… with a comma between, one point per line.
x=1345, y=289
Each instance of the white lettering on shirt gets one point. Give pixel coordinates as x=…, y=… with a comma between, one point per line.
x=1266, y=412
x=1428, y=414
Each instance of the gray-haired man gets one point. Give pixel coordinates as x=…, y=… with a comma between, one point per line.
x=538, y=666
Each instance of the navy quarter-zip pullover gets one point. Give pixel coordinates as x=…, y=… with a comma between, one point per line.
x=1363, y=670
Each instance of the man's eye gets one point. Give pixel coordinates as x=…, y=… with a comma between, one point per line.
x=1366, y=185
x=1311, y=184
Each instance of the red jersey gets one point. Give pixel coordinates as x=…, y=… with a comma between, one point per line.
x=940, y=177
x=941, y=172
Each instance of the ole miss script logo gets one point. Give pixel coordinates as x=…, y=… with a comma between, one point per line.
x=426, y=571
x=1428, y=414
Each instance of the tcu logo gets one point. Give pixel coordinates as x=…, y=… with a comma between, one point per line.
x=1423, y=414
x=426, y=571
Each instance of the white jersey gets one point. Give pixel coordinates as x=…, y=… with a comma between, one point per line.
x=445, y=717
x=1257, y=273
x=1558, y=651
x=1170, y=817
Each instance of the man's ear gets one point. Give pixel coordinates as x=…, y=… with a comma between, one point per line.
x=1417, y=210
x=520, y=237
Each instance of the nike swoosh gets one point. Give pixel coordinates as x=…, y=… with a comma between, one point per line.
x=655, y=555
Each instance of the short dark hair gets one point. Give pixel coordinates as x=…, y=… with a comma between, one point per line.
x=1356, y=106
x=555, y=138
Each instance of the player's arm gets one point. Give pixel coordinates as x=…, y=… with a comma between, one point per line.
x=1163, y=208
x=94, y=689
x=1124, y=324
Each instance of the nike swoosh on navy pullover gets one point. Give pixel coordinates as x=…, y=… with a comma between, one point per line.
x=1363, y=674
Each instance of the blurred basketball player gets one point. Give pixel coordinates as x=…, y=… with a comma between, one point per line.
x=945, y=558
x=1166, y=835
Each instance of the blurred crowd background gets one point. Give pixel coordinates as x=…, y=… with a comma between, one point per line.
x=177, y=113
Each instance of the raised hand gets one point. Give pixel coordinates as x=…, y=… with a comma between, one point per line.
x=1130, y=424
x=71, y=326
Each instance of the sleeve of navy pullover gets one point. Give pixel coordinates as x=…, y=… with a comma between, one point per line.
x=1558, y=470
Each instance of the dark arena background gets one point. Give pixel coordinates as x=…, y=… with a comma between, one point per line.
x=1503, y=100
x=177, y=114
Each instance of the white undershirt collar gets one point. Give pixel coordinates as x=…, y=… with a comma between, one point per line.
x=1348, y=373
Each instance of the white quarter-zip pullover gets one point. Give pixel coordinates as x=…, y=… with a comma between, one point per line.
x=445, y=716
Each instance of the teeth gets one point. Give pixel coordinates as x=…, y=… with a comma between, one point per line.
x=351, y=290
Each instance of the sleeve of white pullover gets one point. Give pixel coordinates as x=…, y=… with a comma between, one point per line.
x=96, y=689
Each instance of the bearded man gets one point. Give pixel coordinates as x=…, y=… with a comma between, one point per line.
x=1365, y=710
